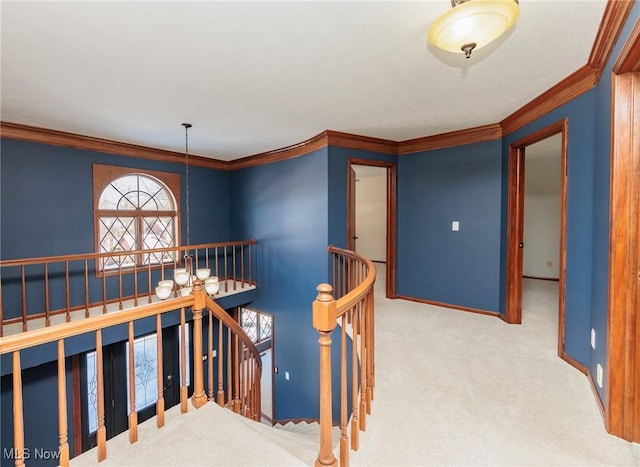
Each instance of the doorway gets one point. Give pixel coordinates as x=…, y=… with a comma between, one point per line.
x=542, y=209
x=370, y=237
x=516, y=221
x=541, y=250
x=115, y=359
x=375, y=247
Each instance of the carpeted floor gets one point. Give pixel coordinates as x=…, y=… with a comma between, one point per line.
x=453, y=388
x=457, y=388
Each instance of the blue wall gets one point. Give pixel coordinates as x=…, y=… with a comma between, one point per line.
x=284, y=206
x=462, y=184
x=587, y=260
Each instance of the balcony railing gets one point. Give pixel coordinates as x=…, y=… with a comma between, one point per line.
x=353, y=283
x=234, y=381
x=38, y=292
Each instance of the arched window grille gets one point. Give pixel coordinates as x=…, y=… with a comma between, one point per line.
x=135, y=211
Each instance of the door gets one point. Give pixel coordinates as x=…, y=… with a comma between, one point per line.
x=351, y=226
x=116, y=382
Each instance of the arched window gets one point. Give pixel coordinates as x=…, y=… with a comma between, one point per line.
x=135, y=211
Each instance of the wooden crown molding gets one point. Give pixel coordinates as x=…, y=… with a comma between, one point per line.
x=326, y=138
x=629, y=59
x=299, y=149
x=365, y=143
x=574, y=85
x=613, y=19
x=453, y=138
x=582, y=80
x=71, y=140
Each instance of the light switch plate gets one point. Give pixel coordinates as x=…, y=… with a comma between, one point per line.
x=455, y=226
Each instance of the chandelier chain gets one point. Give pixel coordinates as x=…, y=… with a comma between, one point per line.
x=186, y=159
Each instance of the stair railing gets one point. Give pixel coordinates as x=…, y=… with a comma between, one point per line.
x=55, y=288
x=243, y=361
x=353, y=278
x=233, y=348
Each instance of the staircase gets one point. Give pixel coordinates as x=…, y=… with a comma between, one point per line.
x=212, y=436
x=177, y=436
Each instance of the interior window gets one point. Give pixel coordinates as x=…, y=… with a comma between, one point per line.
x=135, y=211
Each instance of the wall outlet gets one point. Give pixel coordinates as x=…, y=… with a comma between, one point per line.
x=455, y=226
x=549, y=263
x=286, y=375
x=599, y=375
x=593, y=339
x=275, y=370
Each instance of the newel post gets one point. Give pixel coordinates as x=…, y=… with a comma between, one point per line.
x=199, y=398
x=324, y=320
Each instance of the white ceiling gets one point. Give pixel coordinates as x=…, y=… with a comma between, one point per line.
x=257, y=76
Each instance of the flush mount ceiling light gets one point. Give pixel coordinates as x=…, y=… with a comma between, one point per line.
x=472, y=24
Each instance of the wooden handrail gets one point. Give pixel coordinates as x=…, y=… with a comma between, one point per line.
x=346, y=302
x=353, y=278
x=74, y=328
x=82, y=256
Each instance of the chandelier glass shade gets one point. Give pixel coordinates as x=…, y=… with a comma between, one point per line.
x=472, y=24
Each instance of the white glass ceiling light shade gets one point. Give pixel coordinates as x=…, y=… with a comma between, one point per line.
x=472, y=24
x=203, y=273
x=163, y=291
x=211, y=285
x=181, y=276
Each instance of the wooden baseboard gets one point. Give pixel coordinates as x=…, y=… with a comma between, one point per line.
x=555, y=279
x=574, y=363
x=449, y=305
x=503, y=318
x=585, y=371
x=596, y=394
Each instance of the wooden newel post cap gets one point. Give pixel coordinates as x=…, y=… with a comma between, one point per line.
x=324, y=293
x=324, y=309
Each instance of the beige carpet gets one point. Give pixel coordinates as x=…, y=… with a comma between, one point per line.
x=453, y=388
x=456, y=388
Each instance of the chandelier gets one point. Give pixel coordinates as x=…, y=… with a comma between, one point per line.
x=472, y=24
x=185, y=277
